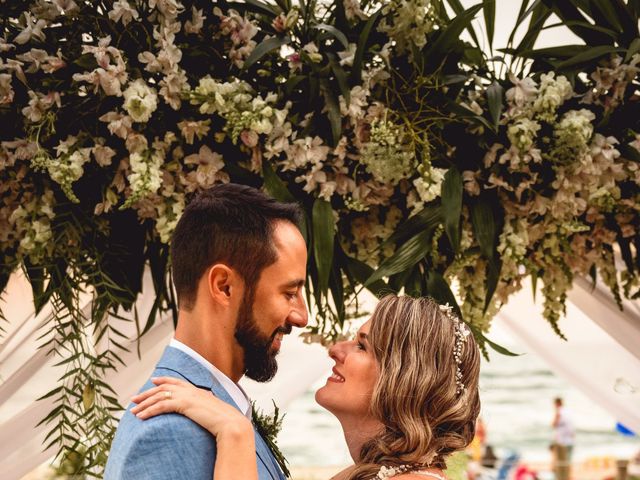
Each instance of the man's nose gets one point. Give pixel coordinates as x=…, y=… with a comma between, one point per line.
x=299, y=315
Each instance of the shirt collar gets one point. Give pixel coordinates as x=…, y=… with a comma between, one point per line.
x=233, y=389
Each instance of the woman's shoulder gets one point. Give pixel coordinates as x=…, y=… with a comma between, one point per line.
x=403, y=473
x=420, y=476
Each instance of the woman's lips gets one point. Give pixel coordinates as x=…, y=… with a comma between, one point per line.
x=336, y=377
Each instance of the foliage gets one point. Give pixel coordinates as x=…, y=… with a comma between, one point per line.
x=422, y=161
x=268, y=426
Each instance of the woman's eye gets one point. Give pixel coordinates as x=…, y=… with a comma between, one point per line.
x=361, y=346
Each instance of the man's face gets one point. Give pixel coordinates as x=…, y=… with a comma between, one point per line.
x=274, y=305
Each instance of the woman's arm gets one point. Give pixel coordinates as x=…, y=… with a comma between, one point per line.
x=236, y=453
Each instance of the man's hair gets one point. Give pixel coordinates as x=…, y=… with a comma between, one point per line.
x=231, y=224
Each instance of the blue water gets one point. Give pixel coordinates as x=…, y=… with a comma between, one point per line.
x=517, y=407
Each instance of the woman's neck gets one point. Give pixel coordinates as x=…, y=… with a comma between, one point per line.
x=357, y=431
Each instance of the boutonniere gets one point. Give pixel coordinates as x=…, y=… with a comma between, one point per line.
x=268, y=426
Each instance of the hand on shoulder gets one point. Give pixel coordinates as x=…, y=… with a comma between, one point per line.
x=177, y=396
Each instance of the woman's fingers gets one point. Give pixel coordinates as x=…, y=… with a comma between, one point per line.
x=159, y=381
x=170, y=380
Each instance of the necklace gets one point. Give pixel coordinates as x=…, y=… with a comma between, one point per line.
x=389, y=472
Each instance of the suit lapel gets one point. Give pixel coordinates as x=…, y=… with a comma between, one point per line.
x=266, y=457
x=196, y=373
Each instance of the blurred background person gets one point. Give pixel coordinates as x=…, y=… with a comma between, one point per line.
x=563, y=438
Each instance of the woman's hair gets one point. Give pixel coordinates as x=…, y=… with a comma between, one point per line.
x=424, y=414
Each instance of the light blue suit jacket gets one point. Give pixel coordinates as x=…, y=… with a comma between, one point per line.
x=171, y=446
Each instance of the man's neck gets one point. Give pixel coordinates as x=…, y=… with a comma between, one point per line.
x=213, y=342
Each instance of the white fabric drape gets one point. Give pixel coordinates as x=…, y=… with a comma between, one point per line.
x=598, y=358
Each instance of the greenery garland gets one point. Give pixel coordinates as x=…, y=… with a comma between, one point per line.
x=421, y=161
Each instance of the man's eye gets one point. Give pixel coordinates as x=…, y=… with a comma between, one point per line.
x=291, y=295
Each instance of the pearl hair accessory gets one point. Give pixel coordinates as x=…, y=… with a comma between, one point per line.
x=461, y=331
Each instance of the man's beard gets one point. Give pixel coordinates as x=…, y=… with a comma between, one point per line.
x=259, y=359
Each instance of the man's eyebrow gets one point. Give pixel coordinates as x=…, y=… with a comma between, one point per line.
x=298, y=283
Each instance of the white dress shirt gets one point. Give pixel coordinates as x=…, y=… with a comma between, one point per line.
x=233, y=389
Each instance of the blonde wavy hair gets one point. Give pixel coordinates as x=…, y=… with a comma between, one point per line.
x=424, y=419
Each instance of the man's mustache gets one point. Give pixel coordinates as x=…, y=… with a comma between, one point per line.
x=285, y=330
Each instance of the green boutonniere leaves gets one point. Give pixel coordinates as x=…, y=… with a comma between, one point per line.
x=268, y=427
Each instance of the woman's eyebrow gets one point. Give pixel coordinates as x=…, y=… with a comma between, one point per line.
x=363, y=336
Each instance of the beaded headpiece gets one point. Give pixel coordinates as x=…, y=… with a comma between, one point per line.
x=461, y=331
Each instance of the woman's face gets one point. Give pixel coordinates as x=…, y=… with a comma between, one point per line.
x=349, y=388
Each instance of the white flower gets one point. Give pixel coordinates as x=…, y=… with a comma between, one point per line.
x=146, y=175
x=209, y=170
x=306, y=151
x=553, y=93
x=6, y=90
x=119, y=124
x=352, y=10
x=33, y=28
x=123, y=12
x=189, y=129
x=140, y=101
x=312, y=50
x=522, y=133
x=408, y=22
x=196, y=23
x=103, y=154
x=522, y=92
x=347, y=56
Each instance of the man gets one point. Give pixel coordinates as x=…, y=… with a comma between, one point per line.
x=562, y=446
x=239, y=264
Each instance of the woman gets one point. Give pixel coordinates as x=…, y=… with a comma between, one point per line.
x=405, y=391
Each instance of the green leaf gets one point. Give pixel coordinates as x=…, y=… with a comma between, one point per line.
x=263, y=48
x=356, y=69
x=335, y=118
x=489, y=10
x=341, y=77
x=406, y=256
x=323, y=235
x=607, y=12
x=539, y=15
x=495, y=93
x=493, y=277
x=522, y=15
x=335, y=32
x=457, y=8
x=254, y=6
x=439, y=289
x=427, y=218
x=482, y=339
x=360, y=272
x=568, y=12
x=274, y=184
x=587, y=56
x=451, y=33
x=629, y=152
x=484, y=227
x=633, y=49
x=452, y=206
x=88, y=396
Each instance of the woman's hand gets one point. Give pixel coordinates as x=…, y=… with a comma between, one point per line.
x=236, y=456
x=201, y=406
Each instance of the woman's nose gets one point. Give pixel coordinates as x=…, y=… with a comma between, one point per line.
x=336, y=351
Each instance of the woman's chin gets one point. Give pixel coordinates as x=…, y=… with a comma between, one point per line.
x=322, y=398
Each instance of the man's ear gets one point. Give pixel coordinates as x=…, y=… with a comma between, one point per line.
x=222, y=282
